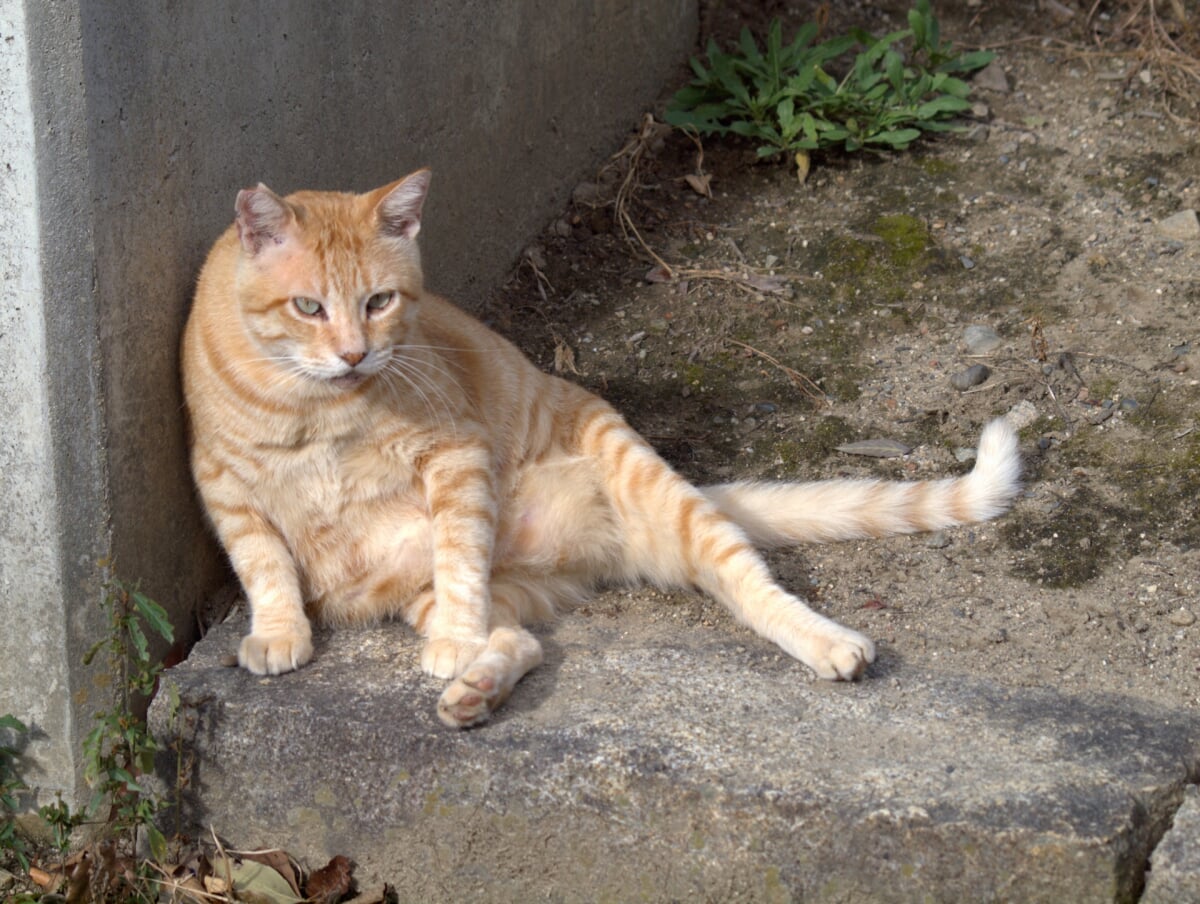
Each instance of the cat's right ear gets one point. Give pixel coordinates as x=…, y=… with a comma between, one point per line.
x=263, y=218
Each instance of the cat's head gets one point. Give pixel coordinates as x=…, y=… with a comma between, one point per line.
x=327, y=282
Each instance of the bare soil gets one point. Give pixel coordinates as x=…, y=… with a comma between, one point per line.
x=1041, y=223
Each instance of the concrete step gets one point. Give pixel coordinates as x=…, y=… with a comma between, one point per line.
x=649, y=760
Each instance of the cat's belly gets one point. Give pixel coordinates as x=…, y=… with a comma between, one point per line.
x=364, y=559
x=370, y=564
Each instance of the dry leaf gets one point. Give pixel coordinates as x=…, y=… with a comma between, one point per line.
x=876, y=448
x=564, y=357
x=330, y=883
x=278, y=860
x=253, y=882
x=658, y=274
x=47, y=882
x=802, y=165
x=768, y=284
x=700, y=183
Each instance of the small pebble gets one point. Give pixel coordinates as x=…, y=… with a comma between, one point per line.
x=1182, y=226
x=972, y=376
x=967, y=263
x=1181, y=618
x=981, y=339
x=1022, y=415
x=1044, y=443
x=937, y=540
x=964, y=454
x=992, y=78
x=1129, y=404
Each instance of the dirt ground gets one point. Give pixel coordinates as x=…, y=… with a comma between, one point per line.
x=1040, y=223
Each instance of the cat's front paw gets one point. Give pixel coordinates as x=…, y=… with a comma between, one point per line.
x=272, y=654
x=446, y=657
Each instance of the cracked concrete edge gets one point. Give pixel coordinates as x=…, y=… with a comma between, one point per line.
x=1173, y=873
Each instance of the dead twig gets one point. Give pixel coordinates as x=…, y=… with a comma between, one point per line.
x=806, y=385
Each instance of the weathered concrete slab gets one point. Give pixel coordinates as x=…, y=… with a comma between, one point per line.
x=657, y=762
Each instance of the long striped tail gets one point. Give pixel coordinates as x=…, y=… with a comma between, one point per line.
x=781, y=514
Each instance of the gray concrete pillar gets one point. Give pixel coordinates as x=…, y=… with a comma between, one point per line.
x=127, y=129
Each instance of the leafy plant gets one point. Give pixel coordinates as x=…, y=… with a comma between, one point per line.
x=61, y=822
x=784, y=97
x=10, y=784
x=120, y=750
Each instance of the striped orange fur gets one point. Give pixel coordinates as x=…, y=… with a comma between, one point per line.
x=364, y=449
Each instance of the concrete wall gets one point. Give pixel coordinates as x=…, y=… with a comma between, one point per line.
x=129, y=126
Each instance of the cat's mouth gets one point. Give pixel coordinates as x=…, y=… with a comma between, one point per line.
x=348, y=380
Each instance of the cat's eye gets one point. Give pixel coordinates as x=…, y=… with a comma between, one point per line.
x=307, y=306
x=380, y=300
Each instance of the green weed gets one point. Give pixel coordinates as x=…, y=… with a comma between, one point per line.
x=120, y=749
x=117, y=754
x=898, y=86
x=10, y=784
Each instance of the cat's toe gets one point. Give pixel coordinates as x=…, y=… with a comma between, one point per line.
x=841, y=656
x=470, y=699
x=849, y=658
x=273, y=654
x=445, y=657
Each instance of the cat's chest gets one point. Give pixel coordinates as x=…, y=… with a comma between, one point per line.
x=320, y=478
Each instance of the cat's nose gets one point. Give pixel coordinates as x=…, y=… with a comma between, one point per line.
x=352, y=358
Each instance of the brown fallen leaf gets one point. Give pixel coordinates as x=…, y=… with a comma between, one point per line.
x=330, y=883
x=47, y=882
x=659, y=274
x=564, y=357
x=700, y=183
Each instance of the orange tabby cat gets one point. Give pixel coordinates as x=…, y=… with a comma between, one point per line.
x=365, y=448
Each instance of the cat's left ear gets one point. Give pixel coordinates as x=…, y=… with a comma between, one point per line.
x=398, y=206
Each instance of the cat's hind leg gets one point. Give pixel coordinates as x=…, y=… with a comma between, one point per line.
x=676, y=536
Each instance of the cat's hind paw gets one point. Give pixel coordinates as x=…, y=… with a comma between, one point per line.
x=840, y=656
x=445, y=657
x=833, y=652
x=470, y=699
x=273, y=654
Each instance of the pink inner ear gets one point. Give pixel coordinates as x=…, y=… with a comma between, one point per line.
x=400, y=210
x=262, y=218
